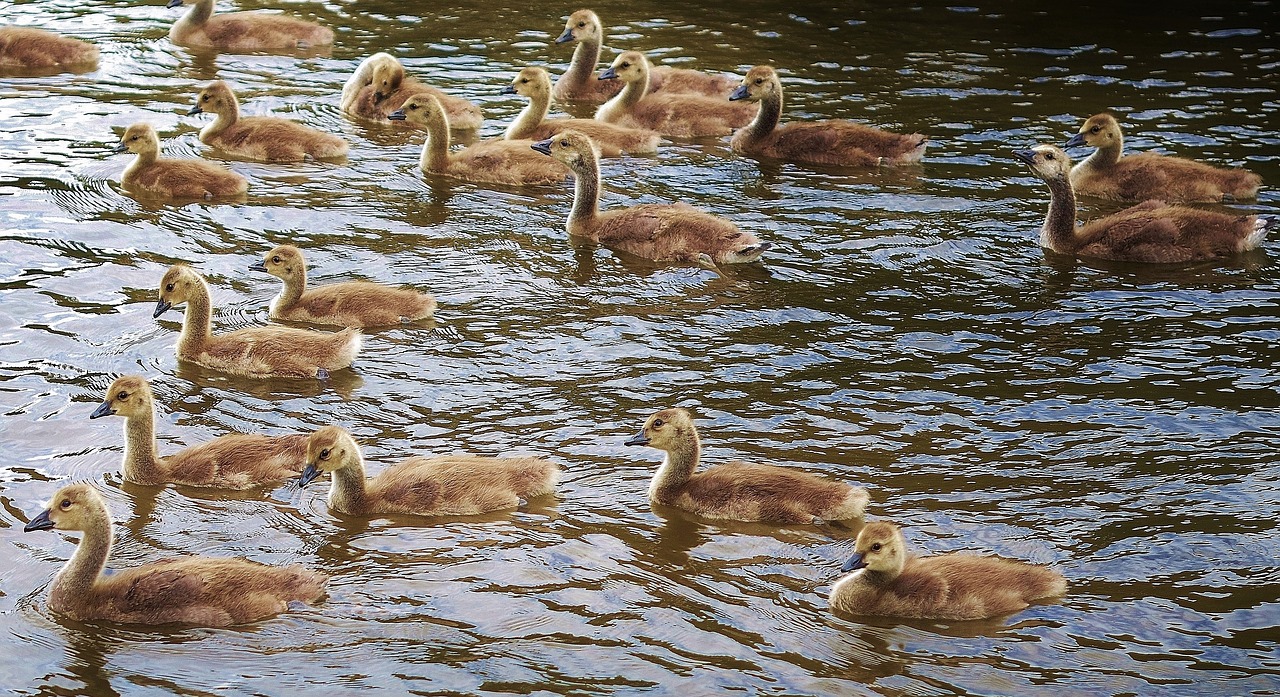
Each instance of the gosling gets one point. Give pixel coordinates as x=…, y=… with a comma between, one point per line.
x=25, y=48
x=678, y=115
x=532, y=123
x=244, y=32
x=180, y=179
x=262, y=138
x=380, y=87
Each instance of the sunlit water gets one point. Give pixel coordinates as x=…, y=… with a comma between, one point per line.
x=905, y=332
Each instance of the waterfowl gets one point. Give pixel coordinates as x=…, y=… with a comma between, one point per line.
x=193, y=590
x=815, y=142
x=265, y=138
x=380, y=86
x=612, y=140
x=1148, y=175
x=253, y=352
x=233, y=461
x=28, y=48
x=1149, y=232
x=173, y=178
x=738, y=490
x=661, y=232
x=576, y=84
x=888, y=581
x=490, y=162
x=429, y=486
x=244, y=31
x=681, y=115
x=349, y=304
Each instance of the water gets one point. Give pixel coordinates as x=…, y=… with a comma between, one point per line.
x=1118, y=422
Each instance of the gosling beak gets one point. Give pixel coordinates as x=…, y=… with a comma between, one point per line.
x=197, y=110
x=40, y=522
x=1075, y=140
x=260, y=266
x=855, y=562
x=566, y=37
x=103, y=409
x=173, y=3
x=161, y=308
x=397, y=115
x=120, y=148
x=638, y=439
x=543, y=146
x=1027, y=156
x=608, y=74
x=507, y=89
x=740, y=93
x=309, y=474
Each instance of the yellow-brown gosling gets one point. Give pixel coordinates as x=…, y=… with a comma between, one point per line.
x=679, y=115
x=243, y=32
x=33, y=49
x=263, y=138
x=532, y=123
x=428, y=486
x=380, y=87
x=739, y=490
x=192, y=590
x=172, y=178
x=887, y=581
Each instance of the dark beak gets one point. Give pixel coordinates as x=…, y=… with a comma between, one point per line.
x=161, y=308
x=543, y=146
x=260, y=266
x=1027, y=156
x=1077, y=139
x=40, y=522
x=103, y=409
x=197, y=110
x=173, y=3
x=309, y=474
x=120, y=148
x=508, y=89
x=566, y=37
x=608, y=74
x=740, y=93
x=638, y=439
x=397, y=115
x=855, y=562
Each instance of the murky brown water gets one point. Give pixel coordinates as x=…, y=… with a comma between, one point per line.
x=905, y=332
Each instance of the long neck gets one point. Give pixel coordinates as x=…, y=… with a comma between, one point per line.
x=533, y=114
x=1059, y=231
x=1107, y=155
x=435, y=152
x=294, y=286
x=346, y=493
x=145, y=158
x=767, y=118
x=76, y=579
x=583, y=64
x=631, y=93
x=140, y=460
x=224, y=120
x=586, y=193
x=677, y=466
x=199, y=13
x=196, y=326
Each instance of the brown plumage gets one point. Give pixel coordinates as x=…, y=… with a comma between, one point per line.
x=509, y=162
x=888, y=581
x=738, y=490
x=349, y=304
x=380, y=87
x=242, y=32
x=233, y=461
x=611, y=139
x=27, y=48
x=814, y=142
x=255, y=352
x=1107, y=174
x=162, y=176
x=679, y=115
x=430, y=486
x=265, y=138
x=1148, y=232
x=661, y=232
x=193, y=590
x=579, y=82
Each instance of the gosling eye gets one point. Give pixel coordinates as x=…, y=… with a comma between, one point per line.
x=169, y=288
x=66, y=503
x=1048, y=156
x=625, y=65
x=413, y=107
x=759, y=81
x=1095, y=129
x=204, y=98
x=657, y=423
x=122, y=396
x=324, y=454
x=275, y=259
x=875, y=547
x=582, y=24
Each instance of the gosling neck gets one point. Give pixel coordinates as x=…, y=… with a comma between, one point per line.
x=679, y=464
x=766, y=119
x=1059, y=230
x=631, y=94
x=435, y=152
x=1105, y=156
x=586, y=196
x=199, y=13
x=294, y=286
x=144, y=159
x=582, y=65
x=141, y=465
x=196, y=327
x=75, y=581
x=529, y=118
x=346, y=493
x=225, y=119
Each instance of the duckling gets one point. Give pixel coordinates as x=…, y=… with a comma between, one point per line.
x=172, y=178
x=888, y=581
x=265, y=138
x=576, y=84
x=680, y=115
x=738, y=490
x=25, y=48
x=1148, y=232
x=507, y=162
x=661, y=232
x=349, y=304
x=1140, y=177
x=233, y=461
x=532, y=123
x=255, y=352
x=816, y=142
x=193, y=590
x=380, y=86
x=242, y=32
x=429, y=486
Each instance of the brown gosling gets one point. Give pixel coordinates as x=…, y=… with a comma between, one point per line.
x=508, y=162
x=532, y=123
x=427, y=486
x=660, y=232
x=577, y=83
x=380, y=86
x=263, y=138
x=679, y=115
x=257, y=352
x=243, y=32
x=36, y=49
x=1148, y=175
x=815, y=142
x=234, y=461
x=739, y=490
x=888, y=581
x=349, y=304
x=192, y=590
x=172, y=178
x=1151, y=232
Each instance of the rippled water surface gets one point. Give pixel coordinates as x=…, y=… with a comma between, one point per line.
x=905, y=332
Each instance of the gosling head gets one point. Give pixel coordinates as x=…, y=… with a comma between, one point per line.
x=328, y=449
x=880, y=548
x=530, y=82
x=128, y=396
x=665, y=430
x=1048, y=162
x=217, y=98
x=582, y=25
x=629, y=66
x=760, y=82
x=74, y=507
x=139, y=138
x=1099, y=131
x=387, y=74
x=180, y=283
x=571, y=147
x=419, y=109
x=283, y=262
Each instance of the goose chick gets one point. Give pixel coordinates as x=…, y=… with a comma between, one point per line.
x=888, y=581
x=507, y=162
x=243, y=32
x=739, y=490
x=380, y=86
x=429, y=486
x=1148, y=232
x=253, y=352
x=162, y=176
x=192, y=590
x=28, y=48
x=680, y=115
x=815, y=142
x=661, y=232
x=349, y=304
x=1140, y=177
x=532, y=123
x=264, y=138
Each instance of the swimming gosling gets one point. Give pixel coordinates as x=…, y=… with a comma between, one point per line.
x=532, y=123
x=173, y=178
x=262, y=138
x=244, y=32
x=379, y=86
x=27, y=48
x=678, y=115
